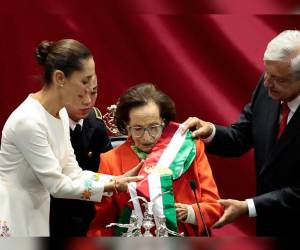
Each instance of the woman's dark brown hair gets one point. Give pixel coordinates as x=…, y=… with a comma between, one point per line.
x=64, y=55
x=140, y=95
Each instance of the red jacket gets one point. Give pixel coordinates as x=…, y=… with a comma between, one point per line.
x=121, y=159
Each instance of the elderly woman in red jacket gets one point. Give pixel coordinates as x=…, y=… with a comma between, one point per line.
x=171, y=161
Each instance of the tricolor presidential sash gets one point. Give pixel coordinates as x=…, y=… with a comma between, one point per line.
x=169, y=159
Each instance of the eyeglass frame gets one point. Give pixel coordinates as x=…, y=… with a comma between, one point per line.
x=281, y=81
x=162, y=125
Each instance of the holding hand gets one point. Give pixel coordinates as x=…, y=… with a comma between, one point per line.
x=233, y=210
x=181, y=211
x=132, y=172
x=120, y=183
x=200, y=128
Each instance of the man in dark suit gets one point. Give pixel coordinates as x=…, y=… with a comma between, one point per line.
x=270, y=124
x=89, y=138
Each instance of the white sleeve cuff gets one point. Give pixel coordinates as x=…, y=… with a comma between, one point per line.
x=211, y=137
x=97, y=184
x=105, y=178
x=191, y=217
x=251, y=208
x=97, y=191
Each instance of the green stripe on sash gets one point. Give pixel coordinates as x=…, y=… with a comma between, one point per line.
x=184, y=157
x=124, y=218
x=168, y=202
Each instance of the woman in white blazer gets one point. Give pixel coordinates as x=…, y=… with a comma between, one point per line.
x=36, y=157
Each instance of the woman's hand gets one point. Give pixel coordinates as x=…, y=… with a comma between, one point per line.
x=134, y=171
x=181, y=211
x=120, y=183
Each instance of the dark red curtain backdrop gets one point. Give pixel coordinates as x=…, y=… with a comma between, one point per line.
x=206, y=56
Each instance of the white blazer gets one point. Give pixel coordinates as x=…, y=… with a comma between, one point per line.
x=37, y=159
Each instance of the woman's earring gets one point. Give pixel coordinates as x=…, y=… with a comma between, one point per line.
x=62, y=84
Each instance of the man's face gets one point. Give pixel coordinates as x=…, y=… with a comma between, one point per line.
x=279, y=82
x=85, y=84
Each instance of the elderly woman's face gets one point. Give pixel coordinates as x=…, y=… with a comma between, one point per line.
x=145, y=126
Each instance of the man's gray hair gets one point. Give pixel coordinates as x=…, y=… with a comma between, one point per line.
x=286, y=47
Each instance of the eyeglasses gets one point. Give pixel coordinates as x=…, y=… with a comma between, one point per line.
x=153, y=130
x=282, y=81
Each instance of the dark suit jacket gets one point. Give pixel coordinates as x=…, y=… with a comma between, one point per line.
x=277, y=162
x=72, y=217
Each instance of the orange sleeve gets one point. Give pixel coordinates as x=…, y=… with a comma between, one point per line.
x=208, y=194
x=106, y=211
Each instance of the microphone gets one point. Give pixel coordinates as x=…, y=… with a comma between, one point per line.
x=193, y=186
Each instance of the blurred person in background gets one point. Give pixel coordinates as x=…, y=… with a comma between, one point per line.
x=89, y=139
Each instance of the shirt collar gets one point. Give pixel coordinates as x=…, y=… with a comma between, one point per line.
x=294, y=104
x=73, y=123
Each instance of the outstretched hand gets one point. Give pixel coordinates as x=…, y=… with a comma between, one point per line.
x=200, y=128
x=233, y=210
x=134, y=171
x=120, y=183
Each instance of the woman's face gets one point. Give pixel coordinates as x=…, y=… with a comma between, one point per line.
x=145, y=126
x=80, y=89
x=81, y=111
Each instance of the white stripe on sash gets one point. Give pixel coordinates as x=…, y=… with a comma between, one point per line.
x=135, y=201
x=173, y=147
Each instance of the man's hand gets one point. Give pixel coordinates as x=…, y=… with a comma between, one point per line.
x=200, y=128
x=233, y=210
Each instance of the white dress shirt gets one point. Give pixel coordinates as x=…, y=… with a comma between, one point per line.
x=73, y=123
